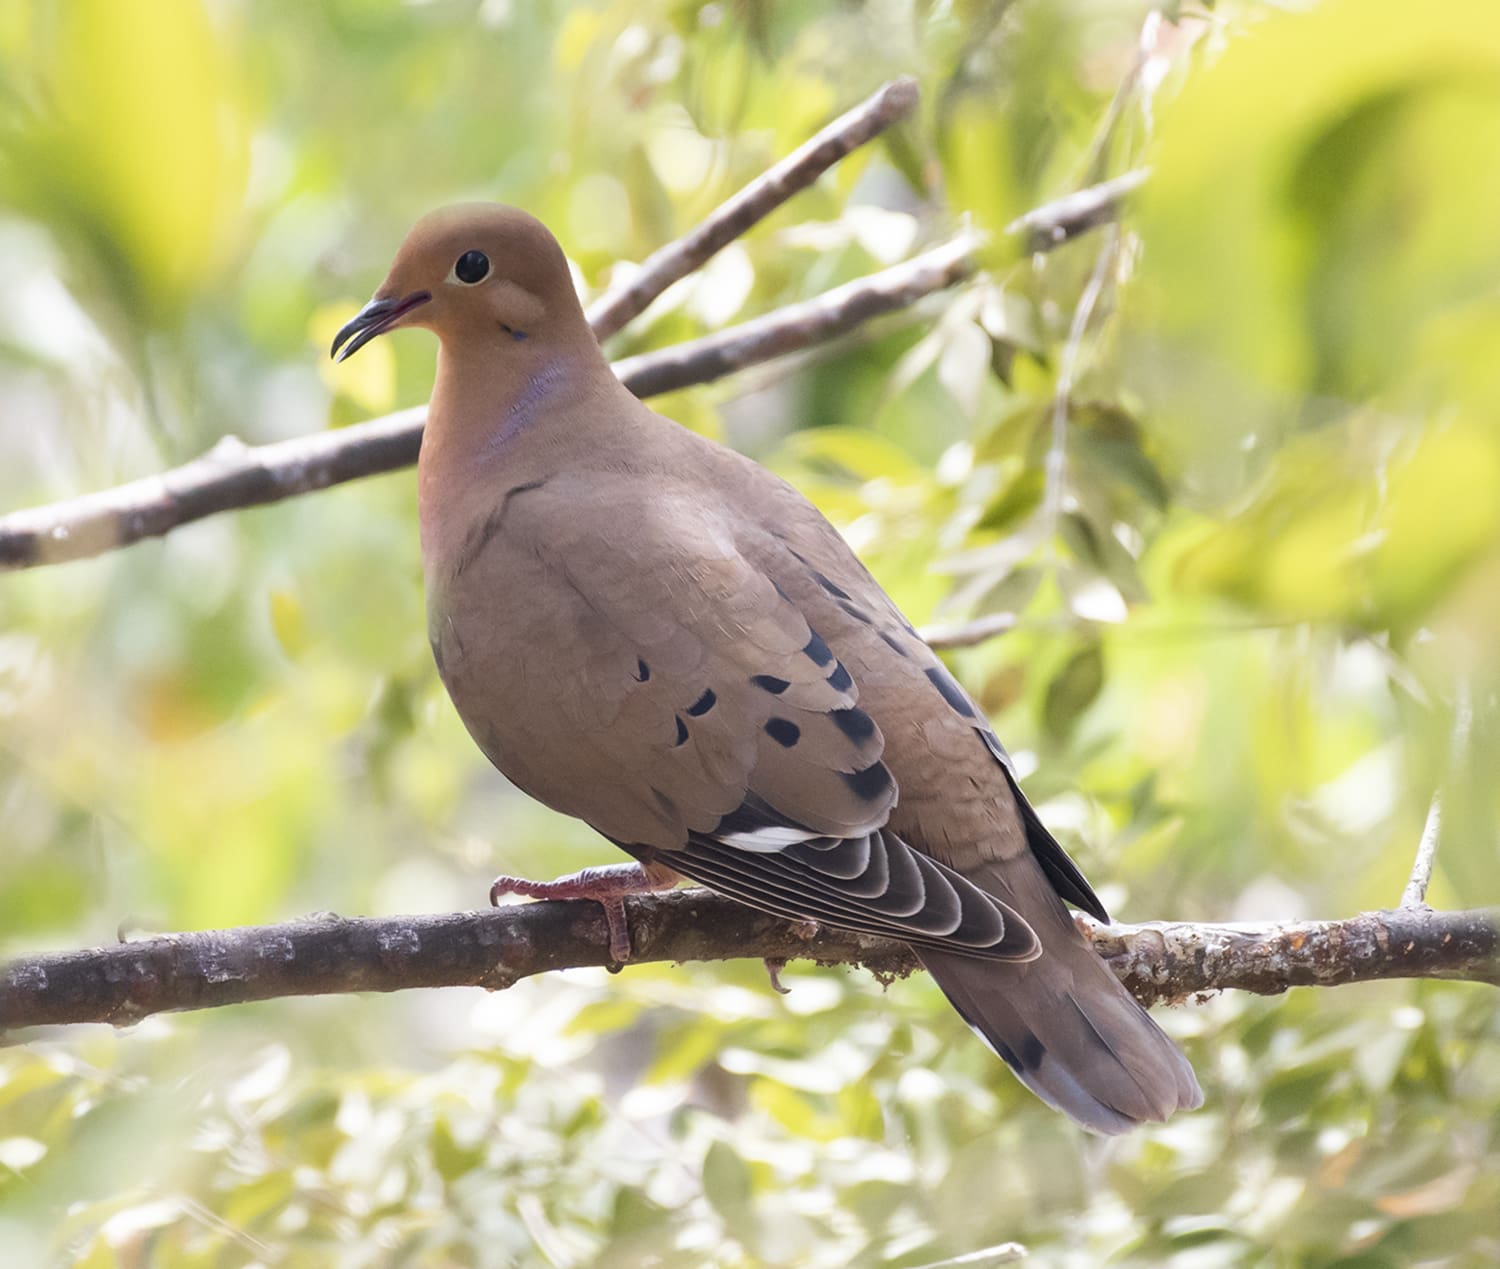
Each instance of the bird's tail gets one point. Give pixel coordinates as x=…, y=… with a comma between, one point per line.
x=1066, y=1027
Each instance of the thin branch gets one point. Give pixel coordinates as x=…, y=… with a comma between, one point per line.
x=730, y=220
x=234, y=476
x=497, y=948
x=1049, y=226
x=797, y=326
x=984, y=1258
x=967, y=634
x=1415, y=894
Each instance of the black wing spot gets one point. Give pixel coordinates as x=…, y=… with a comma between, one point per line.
x=839, y=680
x=642, y=671
x=682, y=735
x=817, y=651
x=890, y=642
x=859, y=614
x=779, y=591
x=770, y=683
x=703, y=704
x=831, y=587
x=952, y=693
x=1032, y=1052
x=783, y=731
x=854, y=723
x=868, y=785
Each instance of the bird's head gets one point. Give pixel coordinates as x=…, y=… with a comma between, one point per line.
x=475, y=274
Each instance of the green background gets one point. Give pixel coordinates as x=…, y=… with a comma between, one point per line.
x=1262, y=571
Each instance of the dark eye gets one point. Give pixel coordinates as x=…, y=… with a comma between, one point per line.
x=471, y=267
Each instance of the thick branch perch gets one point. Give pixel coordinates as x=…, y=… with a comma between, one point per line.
x=889, y=104
x=234, y=476
x=494, y=949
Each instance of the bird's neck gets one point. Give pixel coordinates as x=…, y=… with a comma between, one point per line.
x=502, y=417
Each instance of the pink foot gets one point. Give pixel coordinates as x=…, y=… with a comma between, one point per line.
x=607, y=884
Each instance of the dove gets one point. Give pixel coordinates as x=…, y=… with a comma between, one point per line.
x=649, y=631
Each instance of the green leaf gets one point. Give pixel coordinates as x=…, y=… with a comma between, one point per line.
x=1073, y=689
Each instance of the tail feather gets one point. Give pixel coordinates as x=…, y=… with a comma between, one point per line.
x=1065, y=1025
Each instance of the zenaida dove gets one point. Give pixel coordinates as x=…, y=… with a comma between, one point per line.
x=648, y=631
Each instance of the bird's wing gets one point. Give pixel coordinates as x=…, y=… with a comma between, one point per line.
x=701, y=701
x=963, y=800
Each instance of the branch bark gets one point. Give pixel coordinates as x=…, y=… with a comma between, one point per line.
x=497, y=948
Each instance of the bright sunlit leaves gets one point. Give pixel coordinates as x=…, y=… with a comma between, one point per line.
x=1339, y=533
x=1320, y=191
x=141, y=144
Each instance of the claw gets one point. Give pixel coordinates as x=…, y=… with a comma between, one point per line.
x=606, y=885
x=774, y=965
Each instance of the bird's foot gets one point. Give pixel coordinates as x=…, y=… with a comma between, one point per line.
x=606, y=884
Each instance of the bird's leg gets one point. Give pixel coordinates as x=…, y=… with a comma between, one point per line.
x=607, y=884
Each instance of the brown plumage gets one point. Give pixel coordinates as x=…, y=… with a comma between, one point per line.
x=650, y=632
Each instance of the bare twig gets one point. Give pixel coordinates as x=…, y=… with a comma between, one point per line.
x=967, y=634
x=234, y=476
x=984, y=1258
x=798, y=326
x=494, y=949
x=231, y=475
x=1055, y=223
x=1415, y=894
x=730, y=220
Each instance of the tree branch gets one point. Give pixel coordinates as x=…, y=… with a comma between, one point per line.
x=497, y=948
x=799, y=326
x=890, y=103
x=1049, y=226
x=234, y=476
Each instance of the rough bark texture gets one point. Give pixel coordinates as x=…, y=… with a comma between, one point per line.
x=493, y=949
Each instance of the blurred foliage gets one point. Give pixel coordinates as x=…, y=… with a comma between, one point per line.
x=1232, y=465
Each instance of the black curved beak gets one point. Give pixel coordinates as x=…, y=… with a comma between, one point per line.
x=377, y=317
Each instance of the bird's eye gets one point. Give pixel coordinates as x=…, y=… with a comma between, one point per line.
x=472, y=267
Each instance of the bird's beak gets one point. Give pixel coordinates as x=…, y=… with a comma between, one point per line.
x=377, y=317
